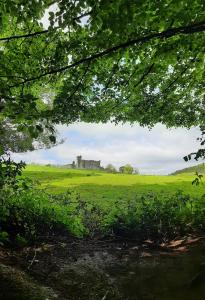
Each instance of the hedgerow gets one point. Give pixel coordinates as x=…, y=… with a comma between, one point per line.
x=157, y=216
x=27, y=213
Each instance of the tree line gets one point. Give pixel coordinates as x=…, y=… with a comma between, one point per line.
x=126, y=169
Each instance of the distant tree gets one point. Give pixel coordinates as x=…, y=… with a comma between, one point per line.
x=127, y=169
x=110, y=168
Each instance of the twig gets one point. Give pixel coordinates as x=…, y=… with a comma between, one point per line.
x=105, y=296
x=33, y=259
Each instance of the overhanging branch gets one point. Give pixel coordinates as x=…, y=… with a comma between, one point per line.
x=189, y=29
x=37, y=33
x=13, y=37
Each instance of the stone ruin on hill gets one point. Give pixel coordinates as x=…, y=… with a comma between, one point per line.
x=85, y=164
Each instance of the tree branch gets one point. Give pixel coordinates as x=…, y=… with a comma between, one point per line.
x=149, y=69
x=83, y=15
x=144, y=75
x=189, y=29
x=11, y=76
x=13, y=37
x=20, y=36
x=114, y=70
x=180, y=75
x=82, y=79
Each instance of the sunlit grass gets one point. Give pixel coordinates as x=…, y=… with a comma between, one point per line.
x=99, y=186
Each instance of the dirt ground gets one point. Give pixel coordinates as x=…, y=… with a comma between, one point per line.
x=69, y=268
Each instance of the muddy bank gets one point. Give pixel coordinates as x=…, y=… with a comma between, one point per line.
x=78, y=269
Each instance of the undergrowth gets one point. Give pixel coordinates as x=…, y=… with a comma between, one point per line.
x=27, y=213
x=158, y=216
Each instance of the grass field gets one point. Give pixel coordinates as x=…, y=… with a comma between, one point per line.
x=99, y=186
x=138, y=206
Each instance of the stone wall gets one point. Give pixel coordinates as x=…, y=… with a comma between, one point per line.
x=87, y=164
x=71, y=166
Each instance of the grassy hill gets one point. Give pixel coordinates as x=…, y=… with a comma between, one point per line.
x=94, y=185
x=200, y=168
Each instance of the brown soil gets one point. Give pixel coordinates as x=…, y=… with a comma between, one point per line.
x=82, y=268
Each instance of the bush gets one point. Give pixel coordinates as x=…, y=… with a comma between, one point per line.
x=110, y=169
x=157, y=217
x=32, y=213
x=127, y=169
x=26, y=213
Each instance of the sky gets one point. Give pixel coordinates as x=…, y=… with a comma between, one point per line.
x=159, y=151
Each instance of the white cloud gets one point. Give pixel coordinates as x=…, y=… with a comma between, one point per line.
x=157, y=151
x=33, y=157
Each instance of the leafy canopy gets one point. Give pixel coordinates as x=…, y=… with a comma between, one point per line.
x=125, y=60
x=127, y=169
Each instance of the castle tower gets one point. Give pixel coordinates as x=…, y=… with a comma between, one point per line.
x=79, y=158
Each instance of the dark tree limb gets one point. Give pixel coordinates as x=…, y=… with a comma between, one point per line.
x=20, y=36
x=82, y=79
x=180, y=75
x=144, y=75
x=37, y=33
x=189, y=29
x=149, y=69
x=113, y=72
x=11, y=76
x=83, y=15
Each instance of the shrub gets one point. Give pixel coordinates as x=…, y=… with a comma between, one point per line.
x=110, y=169
x=127, y=169
x=157, y=217
x=26, y=213
x=32, y=213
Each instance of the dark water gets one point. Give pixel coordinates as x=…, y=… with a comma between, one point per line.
x=120, y=275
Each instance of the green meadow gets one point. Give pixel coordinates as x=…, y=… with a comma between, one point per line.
x=94, y=203
x=99, y=186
